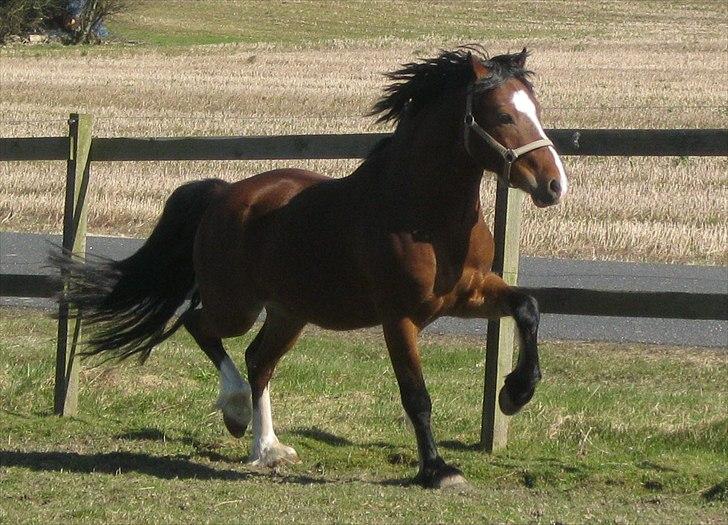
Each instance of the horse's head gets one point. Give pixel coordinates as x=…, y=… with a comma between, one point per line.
x=503, y=132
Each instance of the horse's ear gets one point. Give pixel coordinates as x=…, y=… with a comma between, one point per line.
x=479, y=69
x=520, y=59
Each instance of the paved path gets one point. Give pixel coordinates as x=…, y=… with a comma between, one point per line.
x=25, y=253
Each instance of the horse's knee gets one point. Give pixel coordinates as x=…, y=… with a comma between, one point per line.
x=520, y=384
x=253, y=356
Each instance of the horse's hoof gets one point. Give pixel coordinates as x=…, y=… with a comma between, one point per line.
x=442, y=477
x=234, y=427
x=510, y=404
x=274, y=455
x=237, y=411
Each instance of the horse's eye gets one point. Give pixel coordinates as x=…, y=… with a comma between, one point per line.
x=505, y=118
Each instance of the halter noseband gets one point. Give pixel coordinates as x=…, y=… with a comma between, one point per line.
x=509, y=155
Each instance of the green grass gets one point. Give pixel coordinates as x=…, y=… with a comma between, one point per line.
x=614, y=434
x=182, y=22
x=313, y=22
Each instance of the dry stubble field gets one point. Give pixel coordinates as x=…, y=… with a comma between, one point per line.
x=249, y=70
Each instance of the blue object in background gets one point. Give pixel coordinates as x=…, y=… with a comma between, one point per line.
x=74, y=9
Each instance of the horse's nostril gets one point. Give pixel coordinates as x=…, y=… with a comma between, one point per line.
x=555, y=188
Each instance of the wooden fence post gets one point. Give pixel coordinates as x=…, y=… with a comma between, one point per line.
x=499, y=345
x=65, y=398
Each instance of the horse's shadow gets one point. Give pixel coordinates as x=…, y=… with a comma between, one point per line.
x=179, y=466
x=184, y=466
x=163, y=467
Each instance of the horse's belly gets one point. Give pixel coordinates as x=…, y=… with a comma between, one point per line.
x=331, y=296
x=338, y=316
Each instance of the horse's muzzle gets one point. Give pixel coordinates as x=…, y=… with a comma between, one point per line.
x=547, y=195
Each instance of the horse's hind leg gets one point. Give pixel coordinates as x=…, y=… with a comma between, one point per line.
x=235, y=394
x=277, y=336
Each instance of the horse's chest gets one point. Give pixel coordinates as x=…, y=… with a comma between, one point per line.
x=428, y=276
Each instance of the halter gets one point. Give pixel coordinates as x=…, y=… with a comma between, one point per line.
x=509, y=155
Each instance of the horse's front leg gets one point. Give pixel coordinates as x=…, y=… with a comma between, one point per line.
x=401, y=336
x=492, y=299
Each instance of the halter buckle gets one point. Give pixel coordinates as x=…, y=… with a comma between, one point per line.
x=510, y=156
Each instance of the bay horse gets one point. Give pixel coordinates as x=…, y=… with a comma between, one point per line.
x=399, y=242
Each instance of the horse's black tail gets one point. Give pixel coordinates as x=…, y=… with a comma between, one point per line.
x=128, y=304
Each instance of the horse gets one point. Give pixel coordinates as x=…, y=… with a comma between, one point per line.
x=399, y=242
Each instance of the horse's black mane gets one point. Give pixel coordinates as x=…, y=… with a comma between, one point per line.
x=417, y=84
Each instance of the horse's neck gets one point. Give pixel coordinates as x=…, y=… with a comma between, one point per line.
x=427, y=180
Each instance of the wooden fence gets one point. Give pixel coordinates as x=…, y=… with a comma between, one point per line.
x=78, y=150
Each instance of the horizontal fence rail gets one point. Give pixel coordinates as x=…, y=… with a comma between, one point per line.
x=582, y=142
x=564, y=301
x=608, y=303
x=22, y=285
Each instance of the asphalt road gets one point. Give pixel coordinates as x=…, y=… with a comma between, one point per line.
x=25, y=254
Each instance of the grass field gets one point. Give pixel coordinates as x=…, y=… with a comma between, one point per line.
x=615, y=434
x=303, y=66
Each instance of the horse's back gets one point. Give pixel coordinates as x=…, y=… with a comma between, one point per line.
x=268, y=191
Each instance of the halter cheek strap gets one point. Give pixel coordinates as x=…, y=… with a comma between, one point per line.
x=509, y=155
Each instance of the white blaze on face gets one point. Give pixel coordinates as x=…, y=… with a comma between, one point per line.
x=523, y=103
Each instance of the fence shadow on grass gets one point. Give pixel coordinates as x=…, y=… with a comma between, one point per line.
x=118, y=463
x=454, y=444
x=164, y=467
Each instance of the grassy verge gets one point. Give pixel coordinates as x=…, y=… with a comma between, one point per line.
x=615, y=434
